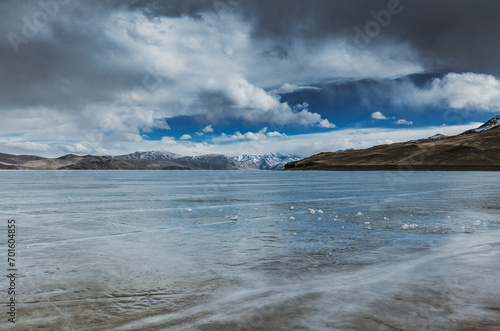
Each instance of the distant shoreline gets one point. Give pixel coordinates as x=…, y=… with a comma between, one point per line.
x=408, y=168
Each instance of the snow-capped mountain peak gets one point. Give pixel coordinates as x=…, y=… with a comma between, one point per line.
x=270, y=161
x=491, y=124
x=150, y=156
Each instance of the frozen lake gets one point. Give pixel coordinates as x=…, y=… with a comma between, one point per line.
x=161, y=250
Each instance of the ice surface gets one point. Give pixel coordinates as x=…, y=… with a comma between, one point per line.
x=116, y=250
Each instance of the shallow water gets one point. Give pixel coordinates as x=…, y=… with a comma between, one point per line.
x=119, y=250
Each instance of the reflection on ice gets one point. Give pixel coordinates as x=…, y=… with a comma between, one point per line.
x=441, y=290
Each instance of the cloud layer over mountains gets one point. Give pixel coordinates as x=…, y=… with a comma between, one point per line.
x=95, y=76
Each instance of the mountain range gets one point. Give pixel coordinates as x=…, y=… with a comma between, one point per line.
x=476, y=149
x=153, y=160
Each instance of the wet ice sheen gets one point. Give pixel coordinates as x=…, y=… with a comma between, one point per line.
x=141, y=250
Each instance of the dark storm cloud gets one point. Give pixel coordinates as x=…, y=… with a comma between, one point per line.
x=71, y=59
x=59, y=56
x=455, y=35
x=173, y=8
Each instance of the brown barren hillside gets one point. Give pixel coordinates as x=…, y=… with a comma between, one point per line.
x=475, y=150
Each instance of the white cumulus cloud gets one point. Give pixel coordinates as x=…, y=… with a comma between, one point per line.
x=326, y=124
x=379, y=116
x=467, y=91
x=254, y=136
x=208, y=129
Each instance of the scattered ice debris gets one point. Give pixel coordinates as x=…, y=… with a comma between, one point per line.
x=189, y=210
x=367, y=223
x=385, y=218
x=449, y=217
x=234, y=218
x=281, y=214
x=292, y=218
x=292, y=208
x=220, y=210
x=226, y=217
x=359, y=213
x=312, y=211
x=320, y=211
x=476, y=223
x=319, y=219
x=410, y=226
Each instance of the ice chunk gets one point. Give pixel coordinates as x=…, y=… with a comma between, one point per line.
x=359, y=213
x=319, y=219
x=189, y=210
x=320, y=211
x=476, y=223
x=292, y=218
x=234, y=218
x=413, y=226
x=312, y=211
x=292, y=208
x=367, y=223
x=294, y=234
x=406, y=227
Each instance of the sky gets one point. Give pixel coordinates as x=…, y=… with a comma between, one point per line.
x=193, y=77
